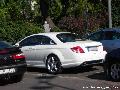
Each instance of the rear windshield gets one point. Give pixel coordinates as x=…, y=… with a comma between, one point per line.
x=4, y=44
x=67, y=37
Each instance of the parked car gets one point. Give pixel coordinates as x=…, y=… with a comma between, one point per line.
x=110, y=38
x=112, y=65
x=57, y=50
x=12, y=63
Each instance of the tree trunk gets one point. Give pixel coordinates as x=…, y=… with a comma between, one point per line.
x=44, y=10
x=50, y=22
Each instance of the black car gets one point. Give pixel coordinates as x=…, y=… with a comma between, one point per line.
x=112, y=65
x=12, y=62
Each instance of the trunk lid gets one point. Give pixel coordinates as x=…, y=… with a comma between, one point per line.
x=7, y=56
x=87, y=45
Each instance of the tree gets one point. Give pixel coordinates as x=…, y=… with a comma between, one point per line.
x=116, y=13
x=83, y=16
x=50, y=10
x=15, y=9
x=16, y=20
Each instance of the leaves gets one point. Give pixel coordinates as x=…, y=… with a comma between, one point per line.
x=14, y=31
x=115, y=13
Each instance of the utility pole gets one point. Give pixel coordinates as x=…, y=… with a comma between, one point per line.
x=110, y=13
x=86, y=18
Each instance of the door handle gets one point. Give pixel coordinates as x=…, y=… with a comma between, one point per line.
x=31, y=48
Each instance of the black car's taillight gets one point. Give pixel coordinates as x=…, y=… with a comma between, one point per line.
x=18, y=56
x=3, y=51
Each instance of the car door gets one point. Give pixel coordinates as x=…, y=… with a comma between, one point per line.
x=116, y=39
x=28, y=46
x=108, y=40
x=44, y=48
x=111, y=40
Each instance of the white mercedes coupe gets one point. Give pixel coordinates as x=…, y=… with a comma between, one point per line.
x=58, y=50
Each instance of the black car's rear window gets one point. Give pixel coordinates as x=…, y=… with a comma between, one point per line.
x=4, y=44
x=67, y=37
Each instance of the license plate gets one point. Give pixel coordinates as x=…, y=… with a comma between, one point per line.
x=7, y=71
x=92, y=49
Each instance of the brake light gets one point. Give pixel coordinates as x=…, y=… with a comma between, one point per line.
x=77, y=49
x=3, y=51
x=18, y=56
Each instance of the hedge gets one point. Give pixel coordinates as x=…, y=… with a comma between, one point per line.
x=14, y=31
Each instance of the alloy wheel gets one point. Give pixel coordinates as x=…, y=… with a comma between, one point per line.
x=115, y=71
x=53, y=64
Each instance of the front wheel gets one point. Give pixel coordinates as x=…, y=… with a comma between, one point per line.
x=113, y=72
x=17, y=78
x=53, y=64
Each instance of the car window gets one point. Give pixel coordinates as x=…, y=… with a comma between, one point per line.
x=29, y=41
x=116, y=36
x=66, y=37
x=47, y=41
x=37, y=40
x=4, y=44
x=110, y=35
x=95, y=36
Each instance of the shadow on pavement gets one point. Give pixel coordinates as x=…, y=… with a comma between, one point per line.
x=98, y=76
x=75, y=70
x=43, y=83
x=46, y=84
x=35, y=69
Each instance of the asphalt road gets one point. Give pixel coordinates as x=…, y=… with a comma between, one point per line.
x=70, y=79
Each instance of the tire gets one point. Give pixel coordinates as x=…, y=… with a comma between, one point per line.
x=53, y=65
x=113, y=72
x=17, y=78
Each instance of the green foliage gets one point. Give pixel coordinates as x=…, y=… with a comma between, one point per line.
x=57, y=29
x=17, y=20
x=14, y=31
x=83, y=16
x=76, y=7
x=79, y=7
x=55, y=8
x=116, y=13
x=3, y=13
x=15, y=10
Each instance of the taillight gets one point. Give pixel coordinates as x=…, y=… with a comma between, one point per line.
x=77, y=49
x=3, y=51
x=18, y=56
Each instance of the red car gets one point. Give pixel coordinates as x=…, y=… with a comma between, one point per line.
x=12, y=62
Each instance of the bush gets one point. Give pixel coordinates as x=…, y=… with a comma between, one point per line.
x=14, y=31
x=80, y=25
x=57, y=29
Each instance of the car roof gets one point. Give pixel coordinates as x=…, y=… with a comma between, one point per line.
x=50, y=33
x=111, y=29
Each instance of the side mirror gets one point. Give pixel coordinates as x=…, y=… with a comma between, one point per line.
x=16, y=45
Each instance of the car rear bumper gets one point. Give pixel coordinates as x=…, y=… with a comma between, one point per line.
x=85, y=60
x=13, y=70
x=94, y=62
x=85, y=63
